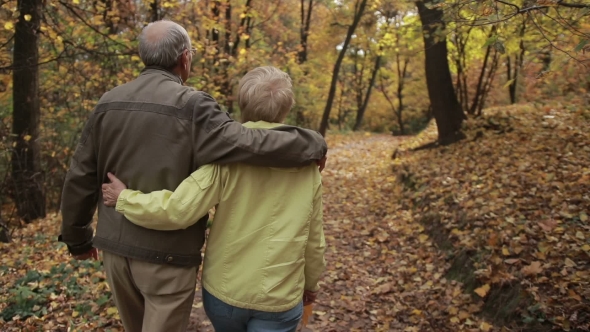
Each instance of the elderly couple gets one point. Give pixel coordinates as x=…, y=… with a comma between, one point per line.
x=180, y=155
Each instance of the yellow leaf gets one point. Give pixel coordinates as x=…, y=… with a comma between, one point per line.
x=27, y=17
x=463, y=314
x=112, y=311
x=27, y=138
x=242, y=51
x=583, y=216
x=422, y=238
x=483, y=290
x=416, y=312
x=455, y=320
x=586, y=247
x=135, y=58
x=77, y=2
x=580, y=235
x=8, y=26
x=75, y=314
x=485, y=327
x=505, y=251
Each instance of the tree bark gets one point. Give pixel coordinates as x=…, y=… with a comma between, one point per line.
x=358, y=13
x=361, y=111
x=479, y=88
x=27, y=177
x=518, y=61
x=401, y=74
x=487, y=85
x=445, y=107
x=304, y=31
x=155, y=10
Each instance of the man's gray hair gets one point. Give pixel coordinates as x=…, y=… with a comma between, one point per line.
x=162, y=42
x=265, y=94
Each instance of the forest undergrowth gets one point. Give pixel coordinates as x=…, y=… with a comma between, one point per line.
x=489, y=234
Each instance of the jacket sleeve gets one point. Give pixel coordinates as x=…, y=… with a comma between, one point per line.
x=166, y=210
x=80, y=195
x=316, y=243
x=219, y=139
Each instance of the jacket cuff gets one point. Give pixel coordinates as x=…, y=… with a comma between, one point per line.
x=78, y=249
x=122, y=200
x=313, y=289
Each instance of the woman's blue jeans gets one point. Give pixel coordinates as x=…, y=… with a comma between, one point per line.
x=227, y=318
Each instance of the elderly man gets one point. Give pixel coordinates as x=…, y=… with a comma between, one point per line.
x=153, y=132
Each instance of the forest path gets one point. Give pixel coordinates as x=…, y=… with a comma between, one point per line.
x=366, y=244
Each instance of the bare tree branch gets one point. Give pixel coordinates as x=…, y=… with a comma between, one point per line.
x=552, y=44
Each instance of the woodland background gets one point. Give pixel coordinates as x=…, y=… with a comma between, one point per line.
x=382, y=66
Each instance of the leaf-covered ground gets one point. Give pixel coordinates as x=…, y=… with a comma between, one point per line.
x=490, y=234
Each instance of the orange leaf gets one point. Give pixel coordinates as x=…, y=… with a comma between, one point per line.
x=483, y=290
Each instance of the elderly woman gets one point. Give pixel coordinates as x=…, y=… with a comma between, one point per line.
x=265, y=250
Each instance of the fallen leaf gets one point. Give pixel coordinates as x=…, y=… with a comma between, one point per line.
x=505, y=251
x=533, y=269
x=382, y=237
x=573, y=295
x=463, y=315
x=383, y=289
x=483, y=290
x=570, y=263
x=422, y=238
x=485, y=327
x=548, y=225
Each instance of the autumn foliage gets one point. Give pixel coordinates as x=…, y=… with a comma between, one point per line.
x=489, y=234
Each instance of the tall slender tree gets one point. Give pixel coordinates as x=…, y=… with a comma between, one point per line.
x=360, y=113
x=359, y=9
x=28, y=188
x=445, y=107
x=304, y=30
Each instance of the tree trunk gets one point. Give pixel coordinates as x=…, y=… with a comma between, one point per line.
x=461, y=88
x=155, y=10
x=479, y=89
x=487, y=85
x=401, y=73
x=518, y=61
x=304, y=31
x=358, y=13
x=445, y=107
x=27, y=177
x=361, y=111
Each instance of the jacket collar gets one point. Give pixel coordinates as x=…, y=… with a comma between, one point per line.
x=161, y=71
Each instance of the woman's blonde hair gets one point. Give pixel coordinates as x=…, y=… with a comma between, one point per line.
x=265, y=94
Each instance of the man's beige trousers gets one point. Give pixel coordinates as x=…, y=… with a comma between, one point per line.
x=151, y=297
